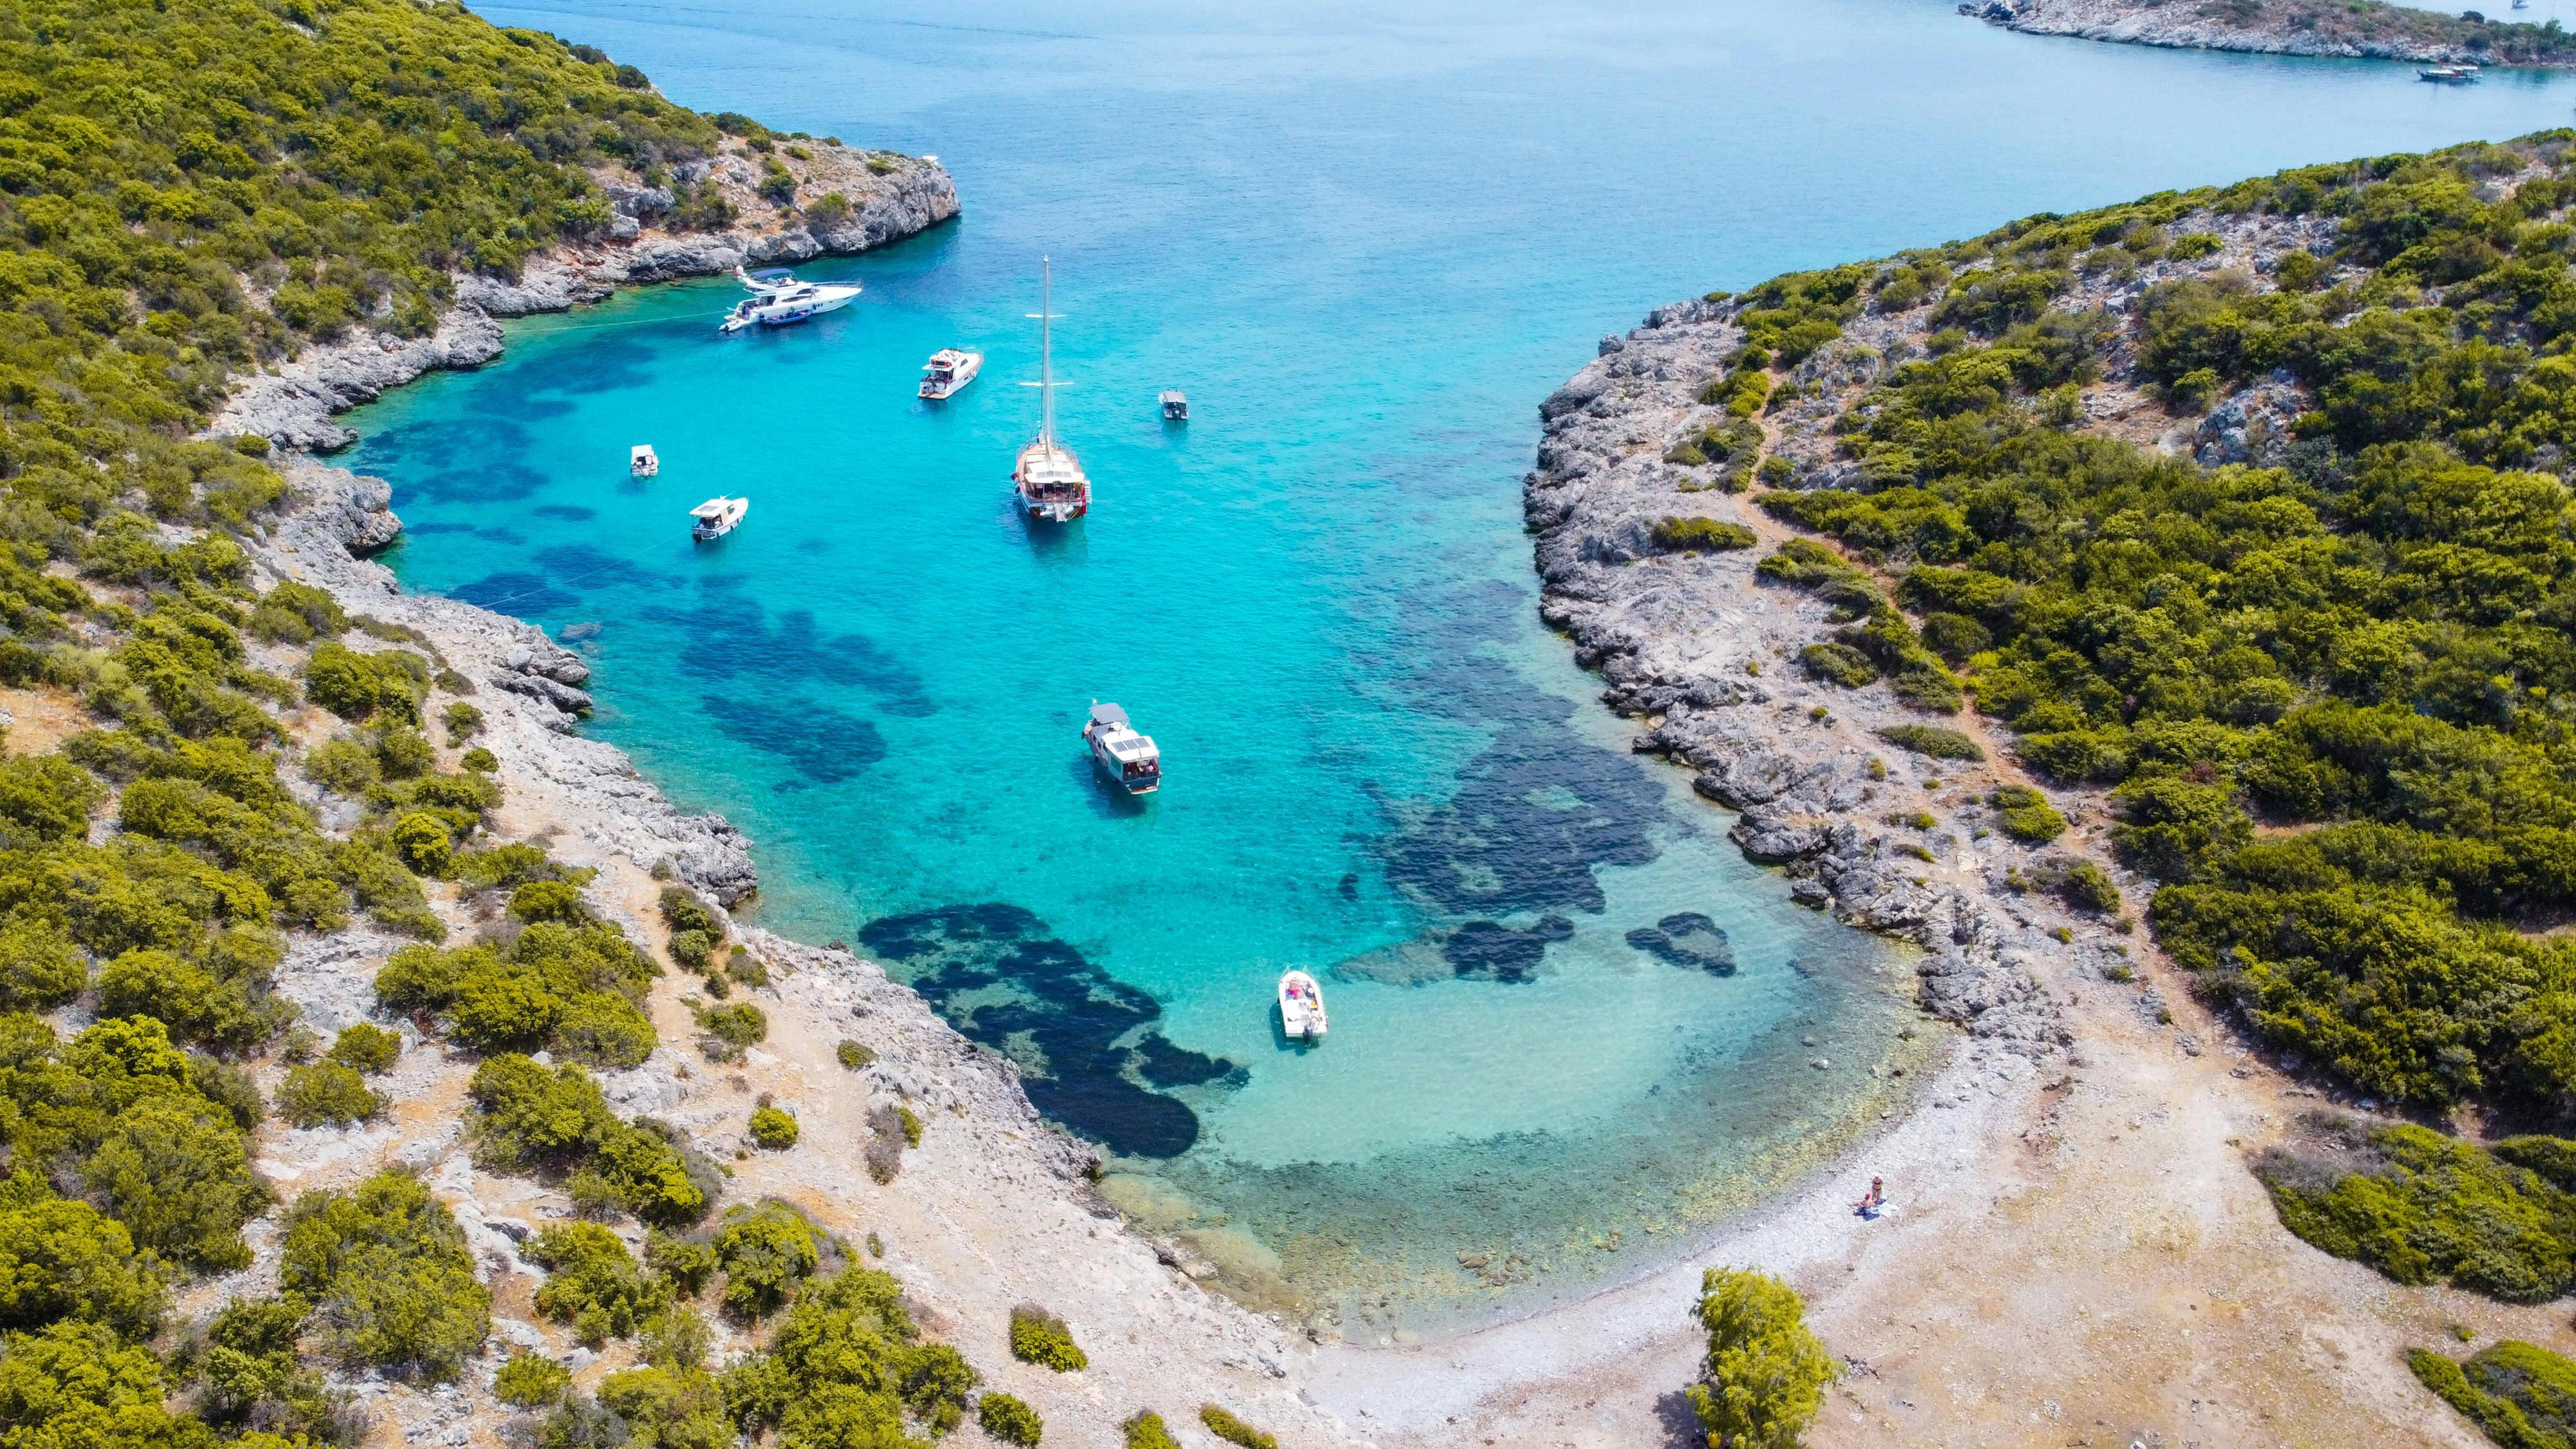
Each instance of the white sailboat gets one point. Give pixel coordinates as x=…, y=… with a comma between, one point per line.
x=1047, y=481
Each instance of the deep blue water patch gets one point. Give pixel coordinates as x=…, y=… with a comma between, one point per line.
x=1492, y=951
x=1162, y=1064
x=1687, y=938
x=526, y=595
x=824, y=745
x=1536, y=813
x=730, y=636
x=993, y=971
x=569, y=512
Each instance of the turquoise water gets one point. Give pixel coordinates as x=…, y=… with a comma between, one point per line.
x=1365, y=241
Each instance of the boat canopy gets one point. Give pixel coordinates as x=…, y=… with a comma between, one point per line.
x=1132, y=747
x=1174, y=396
x=1108, y=714
x=767, y=274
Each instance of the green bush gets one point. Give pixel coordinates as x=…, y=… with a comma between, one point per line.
x=326, y=1094
x=1008, y=1419
x=1766, y=1373
x=2521, y=1394
x=1932, y=740
x=66, y=1260
x=1701, y=535
x=40, y=968
x=463, y=721
x=2422, y=1208
x=572, y=989
x=1838, y=664
x=361, y=687
x=2088, y=887
x=593, y=1283
x=854, y=1056
x=1146, y=1431
x=2027, y=815
x=553, y=1123
x=549, y=900
x=1233, y=1430
x=847, y=1360
x=366, y=1047
x=730, y=1029
x=391, y=1283
x=772, y=1130
x=531, y=1381
x=765, y=1251
x=687, y=1264
x=1039, y=1337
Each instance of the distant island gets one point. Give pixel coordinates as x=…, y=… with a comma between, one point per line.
x=2358, y=29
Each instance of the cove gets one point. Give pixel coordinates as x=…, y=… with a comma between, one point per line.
x=1572, y=1026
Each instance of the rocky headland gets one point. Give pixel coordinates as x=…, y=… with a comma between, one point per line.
x=886, y=197
x=2370, y=30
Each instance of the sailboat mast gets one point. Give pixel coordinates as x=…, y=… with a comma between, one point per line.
x=1046, y=352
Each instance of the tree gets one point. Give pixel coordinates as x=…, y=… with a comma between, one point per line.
x=1766, y=1373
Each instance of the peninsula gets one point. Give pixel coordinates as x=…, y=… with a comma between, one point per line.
x=2360, y=30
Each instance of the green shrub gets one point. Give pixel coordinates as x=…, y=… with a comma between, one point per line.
x=854, y=1056
x=64, y=1259
x=391, y=1283
x=1008, y=1419
x=1701, y=535
x=531, y=1381
x=2027, y=815
x=549, y=900
x=423, y=842
x=683, y=911
x=1932, y=740
x=2088, y=887
x=772, y=1130
x=1765, y=1376
x=1039, y=1337
x=687, y=1264
x=2521, y=1394
x=593, y=1283
x=1233, y=1430
x=176, y=1170
x=326, y=1094
x=40, y=968
x=366, y=1047
x=2422, y=1208
x=847, y=1360
x=1838, y=664
x=765, y=1250
x=1146, y=1431
x=361, y=687
x=2192, y=245
x=463, y=721
x=730, y=1029
x=691, y=949
x=479, y=760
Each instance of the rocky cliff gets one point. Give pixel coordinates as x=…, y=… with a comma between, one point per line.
x=2369, y=30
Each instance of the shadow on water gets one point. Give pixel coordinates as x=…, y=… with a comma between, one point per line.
x=1107, y=801
x=1061, y=542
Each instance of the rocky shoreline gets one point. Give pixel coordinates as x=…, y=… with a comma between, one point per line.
x=995, y=1209
x=2373, y=31
x=889, y=198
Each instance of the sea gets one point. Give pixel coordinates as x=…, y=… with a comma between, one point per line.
x=1572, y=1029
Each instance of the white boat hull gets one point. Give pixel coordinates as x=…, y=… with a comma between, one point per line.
x=1301, y=1007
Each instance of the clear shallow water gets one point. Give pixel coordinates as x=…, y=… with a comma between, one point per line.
x=1366, y=241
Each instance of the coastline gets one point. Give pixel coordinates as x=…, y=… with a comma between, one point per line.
x=995, y=1208
x=2374, y=31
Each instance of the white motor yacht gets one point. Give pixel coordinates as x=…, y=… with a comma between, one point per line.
x=1301, y=1006
x=1130, y=760
x=948, y=371
x=717, y=517
x=778, y=299
x=642, y=461
x=1048, y=482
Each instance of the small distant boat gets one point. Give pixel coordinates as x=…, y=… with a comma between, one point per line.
x=717, y=517
x=1176, y=407
x=1301, y=1006
x=642, y=461
x=948, y=371
x=1047, y=480
x=2453, y=75
x=1130, y=760
x=777, y=299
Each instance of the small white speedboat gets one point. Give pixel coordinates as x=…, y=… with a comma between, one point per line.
x=948, y=371
x=1131, y=761
x=642, y=461
x=717, y=517
x=1176, y=407
x=778, y=299
x=1301, y=1006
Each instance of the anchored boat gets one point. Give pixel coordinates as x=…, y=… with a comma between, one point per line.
x=2461, y=74
x=717, y=517
x=1176, y=407
x=1130, y=760
x=1047, y=480
x=642, y=461
x=1301, y=1006
x=948, y=371
x=777, y=299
